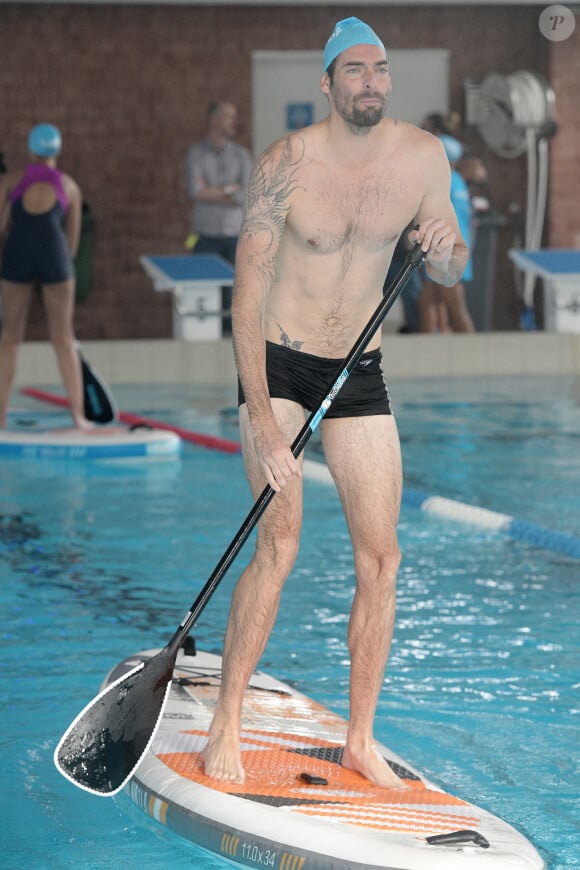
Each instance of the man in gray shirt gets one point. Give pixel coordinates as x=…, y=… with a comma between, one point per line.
x=217, y=172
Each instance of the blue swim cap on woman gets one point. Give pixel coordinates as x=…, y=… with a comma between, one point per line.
x=453, y=148
x=346, y=33
x=44, y=140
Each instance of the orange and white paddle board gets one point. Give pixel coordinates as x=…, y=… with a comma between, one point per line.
x=299, y=809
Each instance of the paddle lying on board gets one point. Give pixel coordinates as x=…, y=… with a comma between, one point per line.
x=99, y=403
x=102, y=747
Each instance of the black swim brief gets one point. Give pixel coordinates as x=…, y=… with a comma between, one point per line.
x=307, y=380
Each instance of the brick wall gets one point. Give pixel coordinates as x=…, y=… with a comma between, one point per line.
x=129, y=85
x=564, y=199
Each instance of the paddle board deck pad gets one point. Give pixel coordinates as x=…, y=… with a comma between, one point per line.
x=298, y=808
x=120, y=443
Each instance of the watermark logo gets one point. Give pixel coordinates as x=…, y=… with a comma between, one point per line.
x=557, y=23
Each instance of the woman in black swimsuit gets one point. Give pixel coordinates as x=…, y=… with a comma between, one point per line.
x=40, y=219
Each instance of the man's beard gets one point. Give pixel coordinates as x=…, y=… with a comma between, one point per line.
x=369, y=116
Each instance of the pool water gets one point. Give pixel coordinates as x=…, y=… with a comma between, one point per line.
x=100, y=560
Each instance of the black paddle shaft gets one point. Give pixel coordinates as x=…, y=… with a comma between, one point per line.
x=414, y=258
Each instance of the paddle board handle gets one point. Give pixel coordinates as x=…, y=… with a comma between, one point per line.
x=312, y=779
x=456, y=838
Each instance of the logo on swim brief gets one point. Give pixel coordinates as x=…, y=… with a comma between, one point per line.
x=327, y=402
x=337, y=386
x=364, y=363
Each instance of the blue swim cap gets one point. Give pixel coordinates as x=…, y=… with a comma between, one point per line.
x=453, y=148
x=44, y=140
x=346, y=33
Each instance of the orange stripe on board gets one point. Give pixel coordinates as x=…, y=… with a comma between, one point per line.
x=355, y=813
x=291, y=862
x=397, y=822
x=157, y=808
x=230, y=844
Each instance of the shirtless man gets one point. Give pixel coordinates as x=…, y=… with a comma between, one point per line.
x=324, y=210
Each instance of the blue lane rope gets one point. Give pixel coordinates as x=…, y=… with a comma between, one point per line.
x=519, y=530
x=514, y=528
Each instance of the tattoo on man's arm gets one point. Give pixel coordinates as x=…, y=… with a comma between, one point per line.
x=267, y=207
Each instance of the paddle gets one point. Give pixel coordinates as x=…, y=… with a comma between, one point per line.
x=99, y=404
x=102, y=747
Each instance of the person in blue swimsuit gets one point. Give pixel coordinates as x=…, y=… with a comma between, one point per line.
x=40, y=222
x=444, y=309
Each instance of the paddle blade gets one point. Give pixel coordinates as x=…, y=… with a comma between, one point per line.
x=100, y=751
x=99, y=403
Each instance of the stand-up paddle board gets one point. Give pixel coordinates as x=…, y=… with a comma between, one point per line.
x=122, y=443
x=299, y=809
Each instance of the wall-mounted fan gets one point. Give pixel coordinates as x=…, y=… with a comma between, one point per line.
x=510, y=107
x=514, y=115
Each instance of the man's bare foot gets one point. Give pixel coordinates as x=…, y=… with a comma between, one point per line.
x=222, y=758
x=370, y=764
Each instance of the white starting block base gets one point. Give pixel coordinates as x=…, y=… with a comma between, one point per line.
x=196, y=282
x=560, y=271
x=562, y=305
x=197, y=313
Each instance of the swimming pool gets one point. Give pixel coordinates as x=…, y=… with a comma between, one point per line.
x=99, y=560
